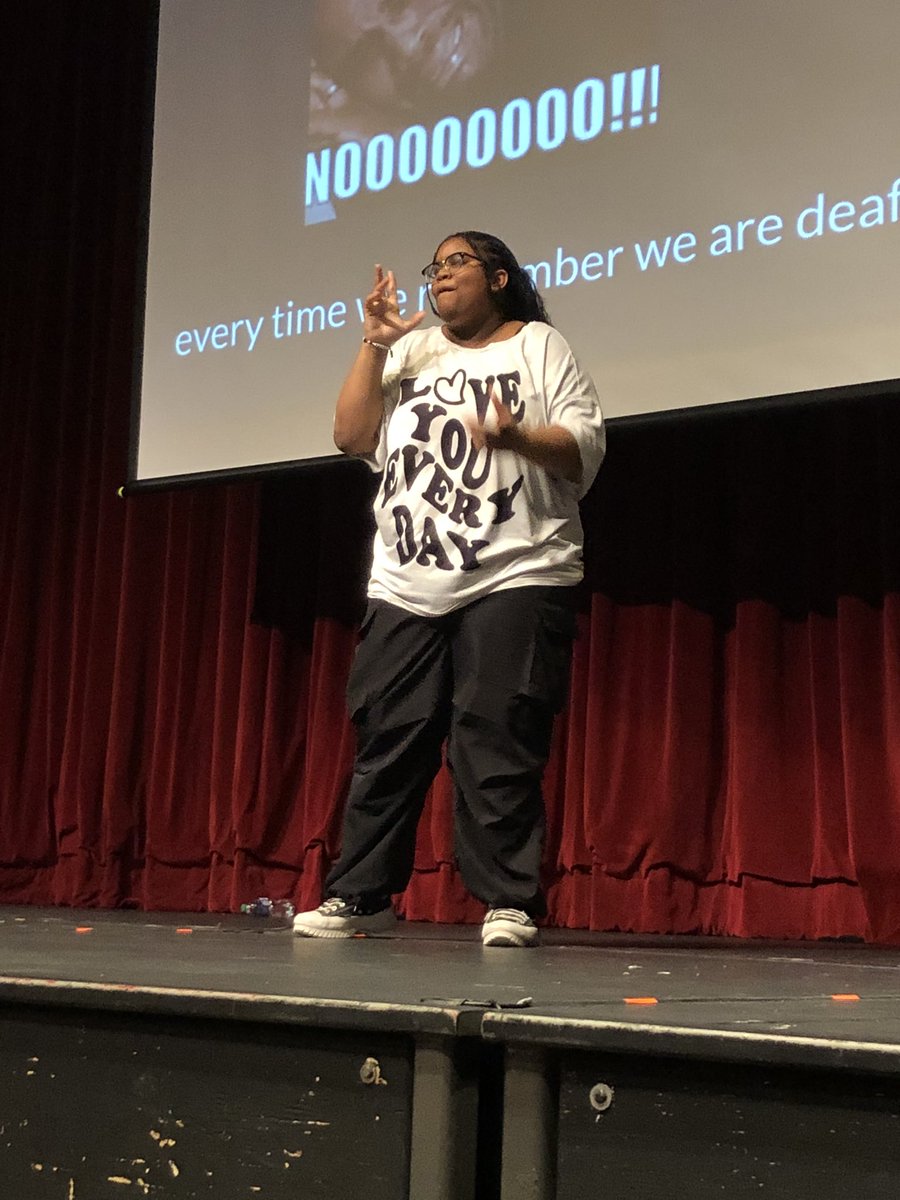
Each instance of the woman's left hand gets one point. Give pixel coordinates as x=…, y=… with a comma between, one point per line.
x=549, y=446
x=498, y=430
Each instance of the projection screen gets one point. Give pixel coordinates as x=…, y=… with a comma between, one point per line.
x=707, y=192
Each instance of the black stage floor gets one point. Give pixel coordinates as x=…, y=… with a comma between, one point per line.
x=594, y=1065
x=819, y=1002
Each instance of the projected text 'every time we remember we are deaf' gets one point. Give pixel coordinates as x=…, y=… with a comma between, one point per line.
x=820, y=221
x=628, y=100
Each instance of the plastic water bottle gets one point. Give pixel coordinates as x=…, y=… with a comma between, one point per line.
x=262, y=906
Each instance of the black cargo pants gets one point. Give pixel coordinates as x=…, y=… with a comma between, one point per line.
x=487, y=678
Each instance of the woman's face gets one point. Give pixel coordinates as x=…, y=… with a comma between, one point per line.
x=465, y=293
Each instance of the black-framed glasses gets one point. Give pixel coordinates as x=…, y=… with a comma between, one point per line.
x=452, y=262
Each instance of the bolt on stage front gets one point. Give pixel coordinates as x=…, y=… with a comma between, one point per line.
x=177, y=1056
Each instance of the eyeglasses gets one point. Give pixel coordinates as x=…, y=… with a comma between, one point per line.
x=452, y=262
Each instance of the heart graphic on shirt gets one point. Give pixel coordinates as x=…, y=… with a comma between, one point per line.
x=449, y=388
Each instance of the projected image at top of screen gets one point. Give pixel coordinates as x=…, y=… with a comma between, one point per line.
x=707, y=194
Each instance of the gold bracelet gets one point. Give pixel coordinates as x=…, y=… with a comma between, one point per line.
x=377, y=345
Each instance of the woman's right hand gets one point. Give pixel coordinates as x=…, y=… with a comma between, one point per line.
x=382, y=321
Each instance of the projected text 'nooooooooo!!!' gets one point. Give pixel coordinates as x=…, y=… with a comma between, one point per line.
x=628, y=100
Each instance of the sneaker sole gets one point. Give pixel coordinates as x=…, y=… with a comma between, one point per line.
x=317, y=931
x=306, y=931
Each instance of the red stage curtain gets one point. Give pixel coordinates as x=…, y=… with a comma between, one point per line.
x=729, y=761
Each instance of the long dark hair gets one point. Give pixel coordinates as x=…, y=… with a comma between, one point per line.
x=519, y=300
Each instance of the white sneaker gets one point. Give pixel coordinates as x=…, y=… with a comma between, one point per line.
x=509, y=927
x=336, y=918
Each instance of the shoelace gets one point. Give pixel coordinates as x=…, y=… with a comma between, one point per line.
x=508, y=914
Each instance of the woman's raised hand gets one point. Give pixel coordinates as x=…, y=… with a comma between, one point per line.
x=382, y=321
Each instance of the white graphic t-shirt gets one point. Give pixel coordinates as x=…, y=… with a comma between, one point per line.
x=455, y=523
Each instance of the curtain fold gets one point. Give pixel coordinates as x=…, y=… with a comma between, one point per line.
x=172, y=667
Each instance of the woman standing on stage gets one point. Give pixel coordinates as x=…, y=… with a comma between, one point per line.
x=486, y=433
